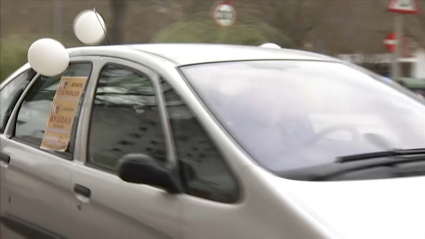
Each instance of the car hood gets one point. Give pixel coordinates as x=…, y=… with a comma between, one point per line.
x=387, y=208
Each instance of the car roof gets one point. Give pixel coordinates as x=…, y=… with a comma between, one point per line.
x=197, y=53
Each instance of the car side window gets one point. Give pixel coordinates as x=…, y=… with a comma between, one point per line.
x=203, y=170
x=10, y=94
x=36, y=109
x=125, y=118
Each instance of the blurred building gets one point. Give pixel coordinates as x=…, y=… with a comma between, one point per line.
x=412, y=61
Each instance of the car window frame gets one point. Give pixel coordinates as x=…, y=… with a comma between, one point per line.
x=84, y=128
x=15, y=74
x=11, y=124
x=82, y=151
x=23, y=70
x=224, y=159
x=231, y=145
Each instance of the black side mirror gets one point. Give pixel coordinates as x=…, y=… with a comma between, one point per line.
x=141, y=169
x=187, y=172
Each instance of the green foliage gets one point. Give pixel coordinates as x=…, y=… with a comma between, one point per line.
x=13, y=54
x=14, y=49
x=248, y=32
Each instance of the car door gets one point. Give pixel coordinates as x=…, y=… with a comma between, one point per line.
x=10, y=92
x=36, y=177
x=123, y=116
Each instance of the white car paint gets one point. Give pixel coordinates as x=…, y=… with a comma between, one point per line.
x=368, y=209
x=268, y=206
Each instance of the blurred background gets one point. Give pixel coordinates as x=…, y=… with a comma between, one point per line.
x=353, y=30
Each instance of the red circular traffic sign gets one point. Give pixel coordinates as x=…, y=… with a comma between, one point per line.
x=391, y=40
x=224, y=14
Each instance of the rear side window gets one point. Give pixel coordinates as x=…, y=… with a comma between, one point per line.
x=10, y=94
x=48, y=115
x=125, y=118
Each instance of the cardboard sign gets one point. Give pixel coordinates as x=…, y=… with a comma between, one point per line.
x=62, y=113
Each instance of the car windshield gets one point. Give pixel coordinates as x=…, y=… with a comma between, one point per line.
x=288, y=115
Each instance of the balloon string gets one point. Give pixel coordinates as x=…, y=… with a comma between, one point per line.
x=103, y=28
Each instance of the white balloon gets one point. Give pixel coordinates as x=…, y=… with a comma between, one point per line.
x=89, y=27
x=48, y=57
x=270, y=45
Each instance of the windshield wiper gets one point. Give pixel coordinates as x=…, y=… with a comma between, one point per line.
x=381, y=154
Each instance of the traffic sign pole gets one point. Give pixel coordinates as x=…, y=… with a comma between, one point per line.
x=400, y=7
x=396, y=69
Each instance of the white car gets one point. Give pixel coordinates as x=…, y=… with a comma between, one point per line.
x=202, y=141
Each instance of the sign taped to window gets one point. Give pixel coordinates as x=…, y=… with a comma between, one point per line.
x=62, y=113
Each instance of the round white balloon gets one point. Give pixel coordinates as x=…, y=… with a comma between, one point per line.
x=48, y=57
x=270, y=45
x=89, y=27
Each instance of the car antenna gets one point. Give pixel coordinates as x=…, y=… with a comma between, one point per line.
x=102, y=26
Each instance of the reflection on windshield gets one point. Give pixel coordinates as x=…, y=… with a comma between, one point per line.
x=123, y=87
x=294, y=114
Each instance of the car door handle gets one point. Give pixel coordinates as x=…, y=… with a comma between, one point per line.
x=81, y=190
x=4, y=159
